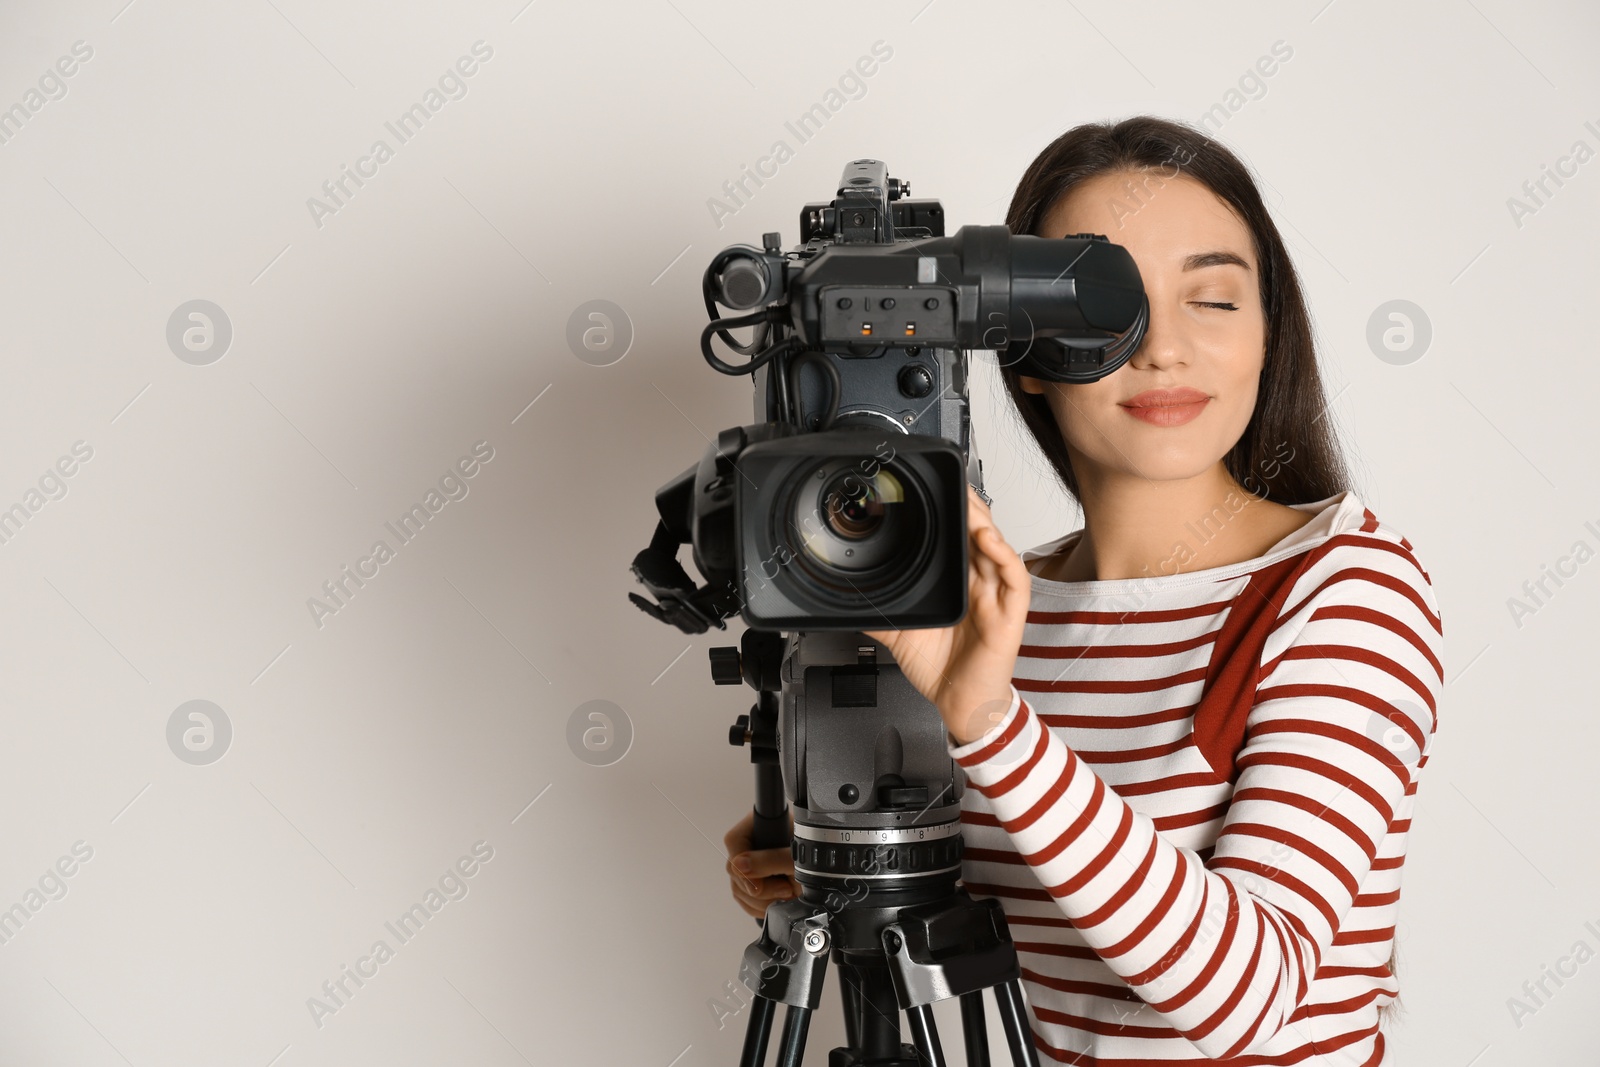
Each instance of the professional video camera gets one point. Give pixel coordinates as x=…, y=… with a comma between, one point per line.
x=844, y=509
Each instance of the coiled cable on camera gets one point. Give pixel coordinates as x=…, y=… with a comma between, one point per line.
x=762, y=318
x=835, y=387
x=789, y=395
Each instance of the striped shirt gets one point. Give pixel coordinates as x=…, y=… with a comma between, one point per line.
x=1195, y=809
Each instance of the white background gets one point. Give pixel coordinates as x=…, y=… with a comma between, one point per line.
x=371, y=351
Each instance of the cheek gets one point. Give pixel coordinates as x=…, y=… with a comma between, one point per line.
x=1236, y=413
x=1233, y=370
x=1243, y=397
x=1244, y=389
x=1088, y=414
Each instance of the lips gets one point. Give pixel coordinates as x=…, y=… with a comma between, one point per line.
x=1166, y=407
x=1166, y=398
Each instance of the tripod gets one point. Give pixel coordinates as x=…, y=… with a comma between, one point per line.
x=877, y=854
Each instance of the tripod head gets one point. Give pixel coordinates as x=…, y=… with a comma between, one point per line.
x=838, y=731
x=861, y=753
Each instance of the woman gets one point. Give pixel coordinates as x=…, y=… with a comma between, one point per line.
x=1191, y=730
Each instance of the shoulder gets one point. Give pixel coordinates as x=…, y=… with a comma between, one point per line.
x=1359, y=617
x=1338, y=628
x=1360, y=559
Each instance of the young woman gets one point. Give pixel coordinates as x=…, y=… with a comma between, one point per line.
x=1191, y=730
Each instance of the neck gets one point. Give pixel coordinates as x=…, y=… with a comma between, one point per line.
x=1138, y=528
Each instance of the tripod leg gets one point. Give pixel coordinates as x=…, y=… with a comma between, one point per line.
x=850, y=996
x=976, y=1029
x=925, y=1035
x=880, y=1014
x=795, y=1023
x=756, y=1032
x=1008, y=995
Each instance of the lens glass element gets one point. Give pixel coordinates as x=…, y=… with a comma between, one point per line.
x=858, y=518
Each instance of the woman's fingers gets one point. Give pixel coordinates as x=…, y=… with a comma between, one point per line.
x=764, y=862
x=753, y=906
x=748, y=903
x=776, y=887
x=977, y=511
x=737, y=839
x=771, y=874
x=996, y=560
x=767, y=890
x=755, y=901
x=986, y=568
x=983, y=555
x=981, y=527
x=1018, y=582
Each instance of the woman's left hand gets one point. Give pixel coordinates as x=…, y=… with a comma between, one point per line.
x=965, y=670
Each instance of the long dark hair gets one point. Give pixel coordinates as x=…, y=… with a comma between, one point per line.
x=1291, y=409
x=1291, y=406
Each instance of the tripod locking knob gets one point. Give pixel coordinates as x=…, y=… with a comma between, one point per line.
x=739, y=732
x=725, y=665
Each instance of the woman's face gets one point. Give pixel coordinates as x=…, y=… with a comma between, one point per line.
x=1177, y=407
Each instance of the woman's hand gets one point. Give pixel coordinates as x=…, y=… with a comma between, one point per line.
x=771, y=874
x=965, y=670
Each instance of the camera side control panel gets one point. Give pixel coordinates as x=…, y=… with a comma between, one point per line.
x=891, y=315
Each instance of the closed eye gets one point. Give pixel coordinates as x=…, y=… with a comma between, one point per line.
x=1215, y=304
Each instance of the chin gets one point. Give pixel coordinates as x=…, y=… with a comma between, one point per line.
x=1169, y=470
x=1168, y=461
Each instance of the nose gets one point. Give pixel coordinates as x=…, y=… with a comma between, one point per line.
x=1165, y=343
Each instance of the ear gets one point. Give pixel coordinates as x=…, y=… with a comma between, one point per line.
x=1031, y=385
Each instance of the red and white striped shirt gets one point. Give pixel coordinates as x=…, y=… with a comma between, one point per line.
x=1194, y=812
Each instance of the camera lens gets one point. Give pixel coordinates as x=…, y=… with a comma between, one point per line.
x=858, y=527
x=859, y=518
x=853, y=508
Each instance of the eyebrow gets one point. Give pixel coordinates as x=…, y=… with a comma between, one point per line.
x=1198, y=260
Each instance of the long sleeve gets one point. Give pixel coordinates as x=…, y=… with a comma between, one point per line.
x=1340, y=723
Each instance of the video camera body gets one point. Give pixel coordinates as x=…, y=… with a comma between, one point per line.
x=843, y=507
